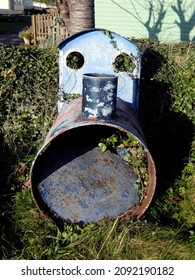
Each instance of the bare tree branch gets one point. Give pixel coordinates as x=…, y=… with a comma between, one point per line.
x=161, y=15
x=178, y=10
x=192, y=19
x=136, y=17
x=185, y=25
x=151, y=9
x=152, y=28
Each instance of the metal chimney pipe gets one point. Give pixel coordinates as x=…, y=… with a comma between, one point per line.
x=99, y=96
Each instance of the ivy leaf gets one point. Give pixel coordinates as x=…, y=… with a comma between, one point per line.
x=102, y=147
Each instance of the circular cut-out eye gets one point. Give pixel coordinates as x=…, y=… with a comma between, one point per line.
x=75, y=60
x=124, y=63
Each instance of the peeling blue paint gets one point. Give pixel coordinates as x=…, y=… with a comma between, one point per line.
x=99, y=49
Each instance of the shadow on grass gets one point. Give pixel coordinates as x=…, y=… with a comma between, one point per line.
x=169, y=134
x=6, y=227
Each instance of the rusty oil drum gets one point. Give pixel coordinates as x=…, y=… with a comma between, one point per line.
x=72, y=181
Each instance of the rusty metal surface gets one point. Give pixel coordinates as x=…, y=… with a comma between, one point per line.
x=71, y=116
x=84, y=185
x=73, y=181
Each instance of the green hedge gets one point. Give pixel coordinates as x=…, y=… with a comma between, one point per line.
x=28, y=93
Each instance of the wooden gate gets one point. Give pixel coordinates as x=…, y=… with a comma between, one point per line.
x=48, y=26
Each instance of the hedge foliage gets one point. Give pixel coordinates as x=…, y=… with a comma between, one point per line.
x=28, y=92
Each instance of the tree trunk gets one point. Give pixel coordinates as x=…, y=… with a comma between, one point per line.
x=63, y=10
x=78, y=15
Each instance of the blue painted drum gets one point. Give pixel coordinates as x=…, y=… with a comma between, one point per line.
x=73, y=181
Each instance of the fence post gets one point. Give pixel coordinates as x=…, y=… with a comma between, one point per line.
x=34, y=29
x=44, y=26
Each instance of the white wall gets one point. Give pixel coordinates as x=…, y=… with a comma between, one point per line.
x=4, y=4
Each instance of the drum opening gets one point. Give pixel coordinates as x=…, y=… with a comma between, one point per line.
x=89, y=173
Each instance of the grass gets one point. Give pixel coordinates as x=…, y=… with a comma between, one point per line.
x=167, y=229
x=38, y=238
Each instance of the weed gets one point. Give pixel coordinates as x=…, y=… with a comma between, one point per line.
x=133, y=153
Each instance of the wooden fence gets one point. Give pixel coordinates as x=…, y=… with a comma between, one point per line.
x=48, y=26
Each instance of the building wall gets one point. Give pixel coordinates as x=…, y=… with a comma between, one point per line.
x=16, y=4
x=4, y=4
x=28, y=4
x=155, y=19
